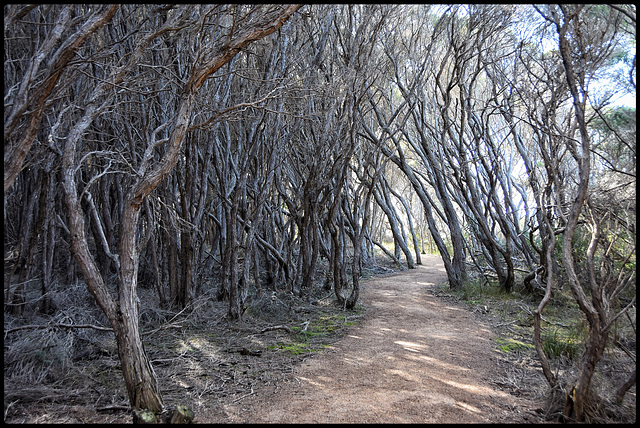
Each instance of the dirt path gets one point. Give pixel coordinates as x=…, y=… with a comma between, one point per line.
x=413, y=359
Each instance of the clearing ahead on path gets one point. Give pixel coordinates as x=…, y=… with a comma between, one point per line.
x=413, y=359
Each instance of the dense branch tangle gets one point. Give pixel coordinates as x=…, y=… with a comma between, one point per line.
x=215, y=150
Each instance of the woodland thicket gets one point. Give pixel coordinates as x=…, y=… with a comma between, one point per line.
x=209, y=151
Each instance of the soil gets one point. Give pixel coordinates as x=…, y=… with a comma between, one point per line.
x=413, y=359
x=408, y=355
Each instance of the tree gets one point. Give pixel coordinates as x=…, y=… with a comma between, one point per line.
x=35, y=79
x=95, y=95
x=180, y=149
x=582, y=52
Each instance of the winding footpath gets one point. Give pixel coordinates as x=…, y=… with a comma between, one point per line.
x=413, y=359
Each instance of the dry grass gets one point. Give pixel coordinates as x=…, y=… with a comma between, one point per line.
x=55, y=375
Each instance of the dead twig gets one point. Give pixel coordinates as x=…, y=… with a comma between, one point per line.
x=504, y=323
x=112, y=408
x=40, y=327
x=94, y=327
x=244, y=396
x=276, y=327
x=163, y=327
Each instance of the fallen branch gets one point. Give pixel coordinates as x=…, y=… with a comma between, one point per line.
x=163, y=327
x=277, y=327
x=36, y=327
x=504, y=323
x=244, y=396
x=95, y=327
x=113, y=408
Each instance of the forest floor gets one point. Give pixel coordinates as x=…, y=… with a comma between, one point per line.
x=411, y=352
x=413, y=359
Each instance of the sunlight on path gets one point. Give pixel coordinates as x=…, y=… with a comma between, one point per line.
x=413, y=359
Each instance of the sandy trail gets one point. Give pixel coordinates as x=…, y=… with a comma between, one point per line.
x=413, y=359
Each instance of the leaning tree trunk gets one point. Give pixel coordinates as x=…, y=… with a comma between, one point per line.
x=358, y=236
x=140, y=379
x=309, y=246
x=456, y=270
x=383, y=200
x=36, y=95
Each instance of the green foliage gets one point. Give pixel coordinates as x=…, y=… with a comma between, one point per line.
x=310, y=338
x=616, y=124
x=564, y=342
x=324, y=326
x=618, y=118
x=297, y=348
x=477, y=290
x=509, y=345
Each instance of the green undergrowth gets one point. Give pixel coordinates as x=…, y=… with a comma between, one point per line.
x=316, y=334
x=563, y=327
x=565, y=342
x=296, y=348
x=564, y=334
x=509, y=345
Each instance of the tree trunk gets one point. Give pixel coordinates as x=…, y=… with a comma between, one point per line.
x=337, y=266
x=142, y=385
x=383, y=200
x=140, y=379
x=157, y=276
x=455, y=273
x=185, y=292
x=578, y=395
x=48, y=240
x=230, y=270
x=172, y=262
x=182, y=415
x=597, y=338
x=414, y=237
x=308, y=242
x=625, y=387
x=456, y=270
x=29, y=243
